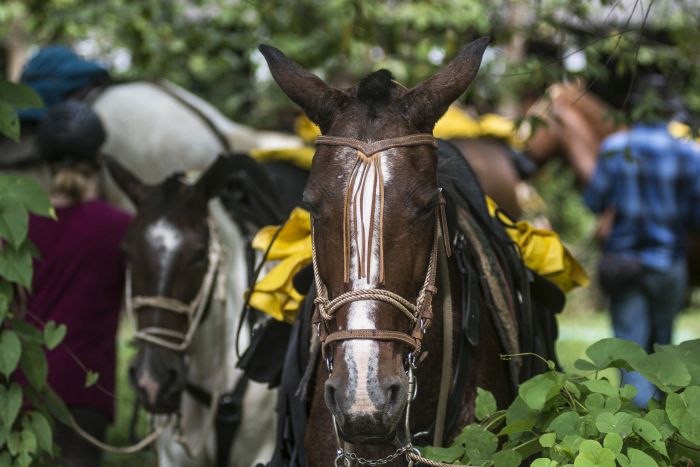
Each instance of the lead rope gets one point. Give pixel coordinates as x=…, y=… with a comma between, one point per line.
x=131, y=449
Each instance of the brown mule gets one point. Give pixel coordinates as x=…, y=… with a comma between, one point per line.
x=375, y=204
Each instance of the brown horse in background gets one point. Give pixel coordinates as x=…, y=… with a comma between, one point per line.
x=381, y=246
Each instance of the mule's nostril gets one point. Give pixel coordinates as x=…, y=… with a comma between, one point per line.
x=393, y=393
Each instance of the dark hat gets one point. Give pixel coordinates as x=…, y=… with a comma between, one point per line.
x=70, y=132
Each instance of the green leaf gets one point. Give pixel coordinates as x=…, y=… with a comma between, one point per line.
x=91, y=378
x=9, y=123
x=544, y=462
x=16, y=265
x=613, y=441
x=19, y=96
x=27, y=332
x=26, y=191
x=40, y=426
x=622, y=460
x=507, y=458
x=650, y=434
x=548, y=440
x=55, y=405
x=592, y=454
x=614, y=352
x=620, y=423
x=14, y=222
x=10, y=352
x=540, y=389
x=584, y=365
x=22, y=442
x=485, y=404
x=449, y=455
x=480, y=444
x=658, y=418
x=53, y=335
x=517, y=426
x=10, y=403
x=664, y=370
x=571, y=443
x=683, y=411
x=33, y=364
x=565, y=424
x=627, y=392
x=602, y=386
x=640, y=458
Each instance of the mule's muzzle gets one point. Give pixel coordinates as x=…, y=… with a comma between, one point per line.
x=158, y=375
x=368, y=418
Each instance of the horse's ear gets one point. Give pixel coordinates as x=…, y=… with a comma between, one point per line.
x=130, y=184
x=429, y=100
x=306, y=89
x=217, y=176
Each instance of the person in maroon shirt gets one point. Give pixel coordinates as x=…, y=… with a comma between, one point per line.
x=79, y=279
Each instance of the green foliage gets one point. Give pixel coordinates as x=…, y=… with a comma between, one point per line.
x=584, y=420
x=25, y=435
x=209, y=46
x=14, y=97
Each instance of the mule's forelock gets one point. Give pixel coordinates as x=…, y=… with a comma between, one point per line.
x=375, y=88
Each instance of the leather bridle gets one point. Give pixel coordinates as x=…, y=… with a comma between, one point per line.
x=193, y=311
x=420, y=313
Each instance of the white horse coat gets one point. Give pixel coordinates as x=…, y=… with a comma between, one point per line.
x=211, y=365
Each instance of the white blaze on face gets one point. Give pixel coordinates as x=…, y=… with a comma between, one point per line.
x=166, y=239
x=362, y=356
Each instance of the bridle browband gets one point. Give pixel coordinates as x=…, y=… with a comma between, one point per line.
x=420, y=313
x=194, y=310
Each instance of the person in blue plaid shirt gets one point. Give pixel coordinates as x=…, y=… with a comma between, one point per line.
x=649, y=182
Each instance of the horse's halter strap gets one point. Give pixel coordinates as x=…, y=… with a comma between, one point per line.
x=194, y=311
x=420, y=313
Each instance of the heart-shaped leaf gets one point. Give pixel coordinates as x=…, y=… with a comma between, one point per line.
x=54, y=334
x=91, y=378
x=10, y=403
x=10, y=352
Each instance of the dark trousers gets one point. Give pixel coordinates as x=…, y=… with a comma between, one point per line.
x=643, y=312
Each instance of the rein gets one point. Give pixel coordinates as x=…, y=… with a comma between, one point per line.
x=194, y=311
x=419, y=314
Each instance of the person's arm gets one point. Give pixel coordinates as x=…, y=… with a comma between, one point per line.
x=597, y=193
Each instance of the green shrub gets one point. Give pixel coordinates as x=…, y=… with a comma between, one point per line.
x=562, y=419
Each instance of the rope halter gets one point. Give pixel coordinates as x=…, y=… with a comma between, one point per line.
x=420, y=313
x=194, y=311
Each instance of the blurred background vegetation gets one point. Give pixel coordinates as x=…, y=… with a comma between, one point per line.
x=209, y=47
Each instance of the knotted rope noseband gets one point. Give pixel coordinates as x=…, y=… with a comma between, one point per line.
x=194, y=311
x=420, y=313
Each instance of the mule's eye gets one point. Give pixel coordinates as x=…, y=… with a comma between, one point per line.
x=308, y=203
x=199, y=257
x=427, y=206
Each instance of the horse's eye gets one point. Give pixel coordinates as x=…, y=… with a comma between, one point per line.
x=310, y=205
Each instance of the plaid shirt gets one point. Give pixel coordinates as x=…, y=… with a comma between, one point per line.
x=653, y=181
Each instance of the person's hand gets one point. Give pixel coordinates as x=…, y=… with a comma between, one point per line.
x=605, y=225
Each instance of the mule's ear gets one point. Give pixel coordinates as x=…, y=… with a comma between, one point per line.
x=306, y=89
x=429, y=100
x=130, y=184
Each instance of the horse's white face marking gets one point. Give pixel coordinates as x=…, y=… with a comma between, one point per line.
x=165, y=238
x=362, y=356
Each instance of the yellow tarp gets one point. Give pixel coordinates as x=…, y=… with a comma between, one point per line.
x=543, y=252
x=274, y=294
x=301, y=157
x=456, y=123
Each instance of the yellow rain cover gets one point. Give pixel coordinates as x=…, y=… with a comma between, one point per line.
x=301, y=156
x=543, y=252
x=456, y=123
x=275, y=294
x=681, y=130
